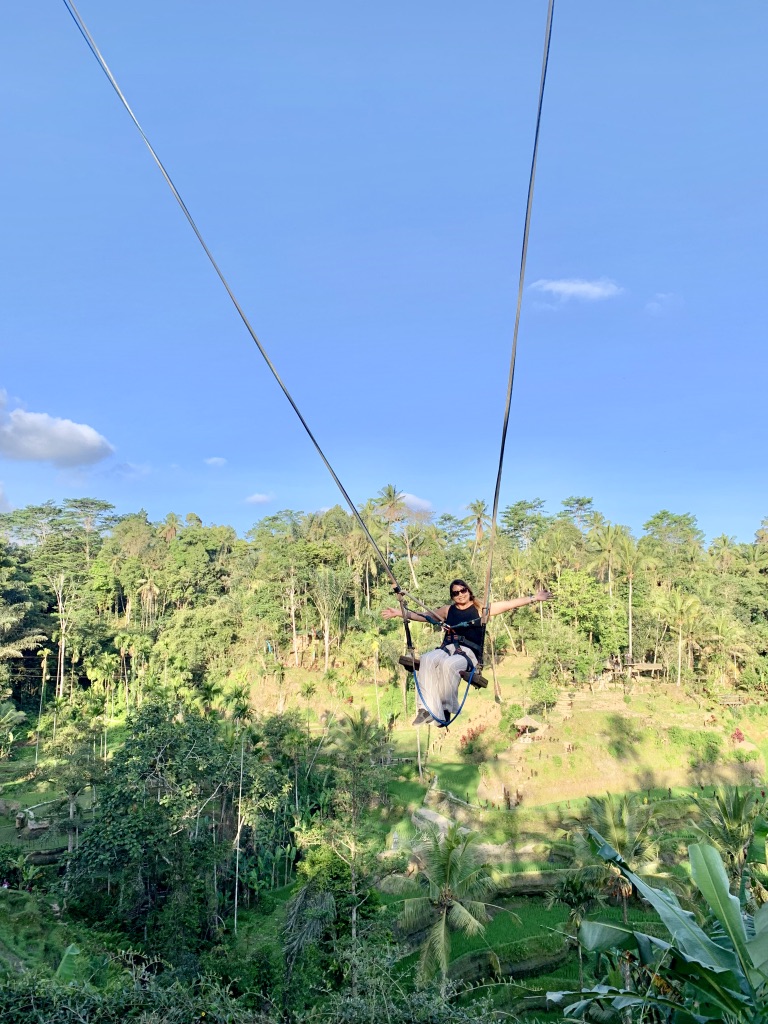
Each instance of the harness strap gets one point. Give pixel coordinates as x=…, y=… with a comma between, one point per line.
x=444, y=722
x=460, y=641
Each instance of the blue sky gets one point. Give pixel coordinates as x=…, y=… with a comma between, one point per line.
x=360, y=174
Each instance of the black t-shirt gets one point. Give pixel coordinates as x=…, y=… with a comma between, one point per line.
x=471, y=633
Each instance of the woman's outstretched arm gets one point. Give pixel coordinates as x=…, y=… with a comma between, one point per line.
x=498, y=607
x=395, y=613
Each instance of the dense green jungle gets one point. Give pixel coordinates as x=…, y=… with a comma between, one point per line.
x=214, y=806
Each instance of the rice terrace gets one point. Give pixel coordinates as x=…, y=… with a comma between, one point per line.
x=407, y=660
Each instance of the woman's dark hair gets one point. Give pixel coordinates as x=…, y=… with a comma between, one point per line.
x=463, y=583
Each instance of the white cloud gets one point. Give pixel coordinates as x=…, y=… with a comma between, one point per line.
x=662, y=302
x=575, y=288
x=38, y=437
x=215, y=460
x=260, y=499
x=417, y=504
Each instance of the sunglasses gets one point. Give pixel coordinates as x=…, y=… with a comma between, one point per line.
x=460, y=590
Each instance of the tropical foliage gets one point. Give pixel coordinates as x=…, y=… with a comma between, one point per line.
x=698, y=974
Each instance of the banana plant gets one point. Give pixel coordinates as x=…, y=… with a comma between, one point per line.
x=696, y=976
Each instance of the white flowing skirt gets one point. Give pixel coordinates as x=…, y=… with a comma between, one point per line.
x=439, y=677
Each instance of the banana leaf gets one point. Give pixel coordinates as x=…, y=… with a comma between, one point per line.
x=681, y=924
x=711, y=880
x=619, y=1000
x=66, y=969
x=716, y=986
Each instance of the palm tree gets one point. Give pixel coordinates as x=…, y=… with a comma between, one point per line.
x=327, y=592
x=148, y=594
x=207, y=694
x=518, y=572
x=628, y=825
x=359, y=737
x=308, y=691
x=723, y=552
x=580, y=894
x=478, y=520
x=559, y=545
x=413, y=541
x=170, y=528
x=681, y=611
x=724, y=641
x=455, y=890
x=9, y=719
x=309, y=913
x=727, y=821
x=238, y=701
x=625, y=822
x=369, y=561
x=356, y=550
x=754, y=558
x=632, y=560
x=603, y=540
x=392, y=507
x=10, y=618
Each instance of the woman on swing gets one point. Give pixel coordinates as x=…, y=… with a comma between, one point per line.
x=440, y=671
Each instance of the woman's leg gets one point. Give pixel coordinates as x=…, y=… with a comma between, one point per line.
x=450, y=670
x=429, y=677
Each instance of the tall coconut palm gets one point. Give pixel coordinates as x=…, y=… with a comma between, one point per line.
x=327, y=591
x=603, y=541
x=681, y=612
x=357, y=552
x=207, y=695
x=754, y=558
x=724, y=641
x=559, y=545
x=370, y=561
x=170, y=527
x=390, y=503
x=455, y=894
x=631, y=559
x=239, y=704
x=723, y=551
x=148, y=594
x=479, y=520
x=518, y=572
x=413, y=541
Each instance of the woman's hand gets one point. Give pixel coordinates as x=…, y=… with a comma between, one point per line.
x=391, y=613
x=543, y=595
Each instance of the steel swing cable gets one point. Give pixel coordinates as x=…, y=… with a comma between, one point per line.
x=521, y=282
x=486, y=607
x=76, y=17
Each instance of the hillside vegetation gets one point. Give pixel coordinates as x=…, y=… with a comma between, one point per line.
x=210, y=785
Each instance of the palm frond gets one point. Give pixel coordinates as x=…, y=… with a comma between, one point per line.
x=416, y=914
x=436, y=951
x=469, y=918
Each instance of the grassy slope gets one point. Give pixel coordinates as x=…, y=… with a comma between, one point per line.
x=624, y=745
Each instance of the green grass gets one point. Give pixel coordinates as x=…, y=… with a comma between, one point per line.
x=460, y=779
x=407, y=794
x=519, y=919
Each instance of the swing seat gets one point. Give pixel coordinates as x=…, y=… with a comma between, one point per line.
x=409, y=662
x=478, y=679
